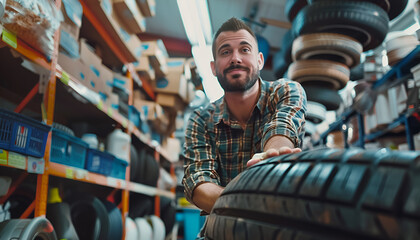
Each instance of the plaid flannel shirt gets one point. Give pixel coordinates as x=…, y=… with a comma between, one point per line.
x=217, y=148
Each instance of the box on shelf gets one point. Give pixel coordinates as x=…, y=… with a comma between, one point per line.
x=173, y=101
x=122, y=82
x=144, y=69
x=129, y=13
x=74, y=67
x=87, y=54
x=157, y=54
x=147, y=7
x=172, y=83
x=72, y=13
x=118, y=168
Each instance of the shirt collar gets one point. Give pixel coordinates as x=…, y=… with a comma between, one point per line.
x=223, y=110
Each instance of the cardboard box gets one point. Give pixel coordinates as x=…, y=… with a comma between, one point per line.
x=150, y=110
x=87, y=54
x=144, y=69
x=157, y=54
x=173, y=101
x=72, y=66
x=123, y=82
x=70, y=27
x=173, y=83
x=129, y=13
x=147, y=7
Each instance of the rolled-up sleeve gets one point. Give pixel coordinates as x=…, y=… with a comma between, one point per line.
x=288, y=105
x=200, y=164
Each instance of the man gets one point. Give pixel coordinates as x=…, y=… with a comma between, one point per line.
x=254, y=118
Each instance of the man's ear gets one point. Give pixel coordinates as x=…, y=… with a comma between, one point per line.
x=260, y=60
x=213, y=68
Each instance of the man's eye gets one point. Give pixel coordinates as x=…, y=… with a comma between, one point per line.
x=225, y=52
x=246, y=50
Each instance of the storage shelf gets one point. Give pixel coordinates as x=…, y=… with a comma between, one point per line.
x=96, y=15
x=401, y=69
x=26, y=163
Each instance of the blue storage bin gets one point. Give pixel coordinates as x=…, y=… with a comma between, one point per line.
x=68, y=150
x=119, y=168
x=22, y=134
x=99, y=162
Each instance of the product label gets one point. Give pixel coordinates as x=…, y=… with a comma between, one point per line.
x=100, y=105
x=65, y=78
x=3, y=157
x=17, y=160
x=9, y=38
x=69, y=173
x=36, y=165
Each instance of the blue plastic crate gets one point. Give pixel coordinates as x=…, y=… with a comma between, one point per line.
x=99, y=162
x=22, y=134
x=119, y=168
x=67, y=149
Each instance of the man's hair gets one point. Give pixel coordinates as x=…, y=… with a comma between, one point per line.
x=234, y=25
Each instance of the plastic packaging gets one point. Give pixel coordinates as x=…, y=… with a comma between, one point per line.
x=118, y=144
x=91, y=139
x=35, y=22
x=2, y=6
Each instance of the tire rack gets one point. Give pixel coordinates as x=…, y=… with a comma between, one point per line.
x=63, y=171
x=398, y=71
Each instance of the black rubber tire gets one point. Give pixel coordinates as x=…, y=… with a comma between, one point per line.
x=89, y=216
x=27, y=229
x=283, y=58
x=151, y=171
x=140, y=205
x=114, y=220
x=364, y=21
x=167, y=213
x=397, y=7
x=134, y=163
x=322, y=194
x=63, y=128
x=320, y=94
x=292, y=7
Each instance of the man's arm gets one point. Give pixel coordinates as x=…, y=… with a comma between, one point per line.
x=206, y=194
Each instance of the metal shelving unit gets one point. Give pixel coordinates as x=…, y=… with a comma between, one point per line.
x=44, y=168
x=399, y=71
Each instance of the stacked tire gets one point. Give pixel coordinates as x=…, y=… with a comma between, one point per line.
x=325, y=42
x=323, y=194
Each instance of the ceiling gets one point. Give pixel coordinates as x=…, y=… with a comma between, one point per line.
x=167, y=23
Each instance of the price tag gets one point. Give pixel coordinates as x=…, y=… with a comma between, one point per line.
x=124, y=123
x=9, y=38
x=112, y=182
x=65, y=78
x=17, y=160
x=110, y=112
x=3, y=157
x=36, y=165
x=100, y=105
x=69, y=173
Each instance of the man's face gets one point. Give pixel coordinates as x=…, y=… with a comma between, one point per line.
x=237, y=62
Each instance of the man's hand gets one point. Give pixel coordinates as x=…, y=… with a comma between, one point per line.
x=258, y=157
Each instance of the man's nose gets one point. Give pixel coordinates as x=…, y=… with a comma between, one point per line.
x=236, y=58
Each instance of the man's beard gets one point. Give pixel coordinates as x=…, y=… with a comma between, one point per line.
x=237, y=86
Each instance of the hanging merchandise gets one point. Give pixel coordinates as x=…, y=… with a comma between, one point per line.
x=118, y=144
x=58, y=213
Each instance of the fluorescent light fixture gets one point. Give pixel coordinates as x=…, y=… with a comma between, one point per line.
x=196, y=19
x=202, y=57
x=191, y=21
x=204, y=15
